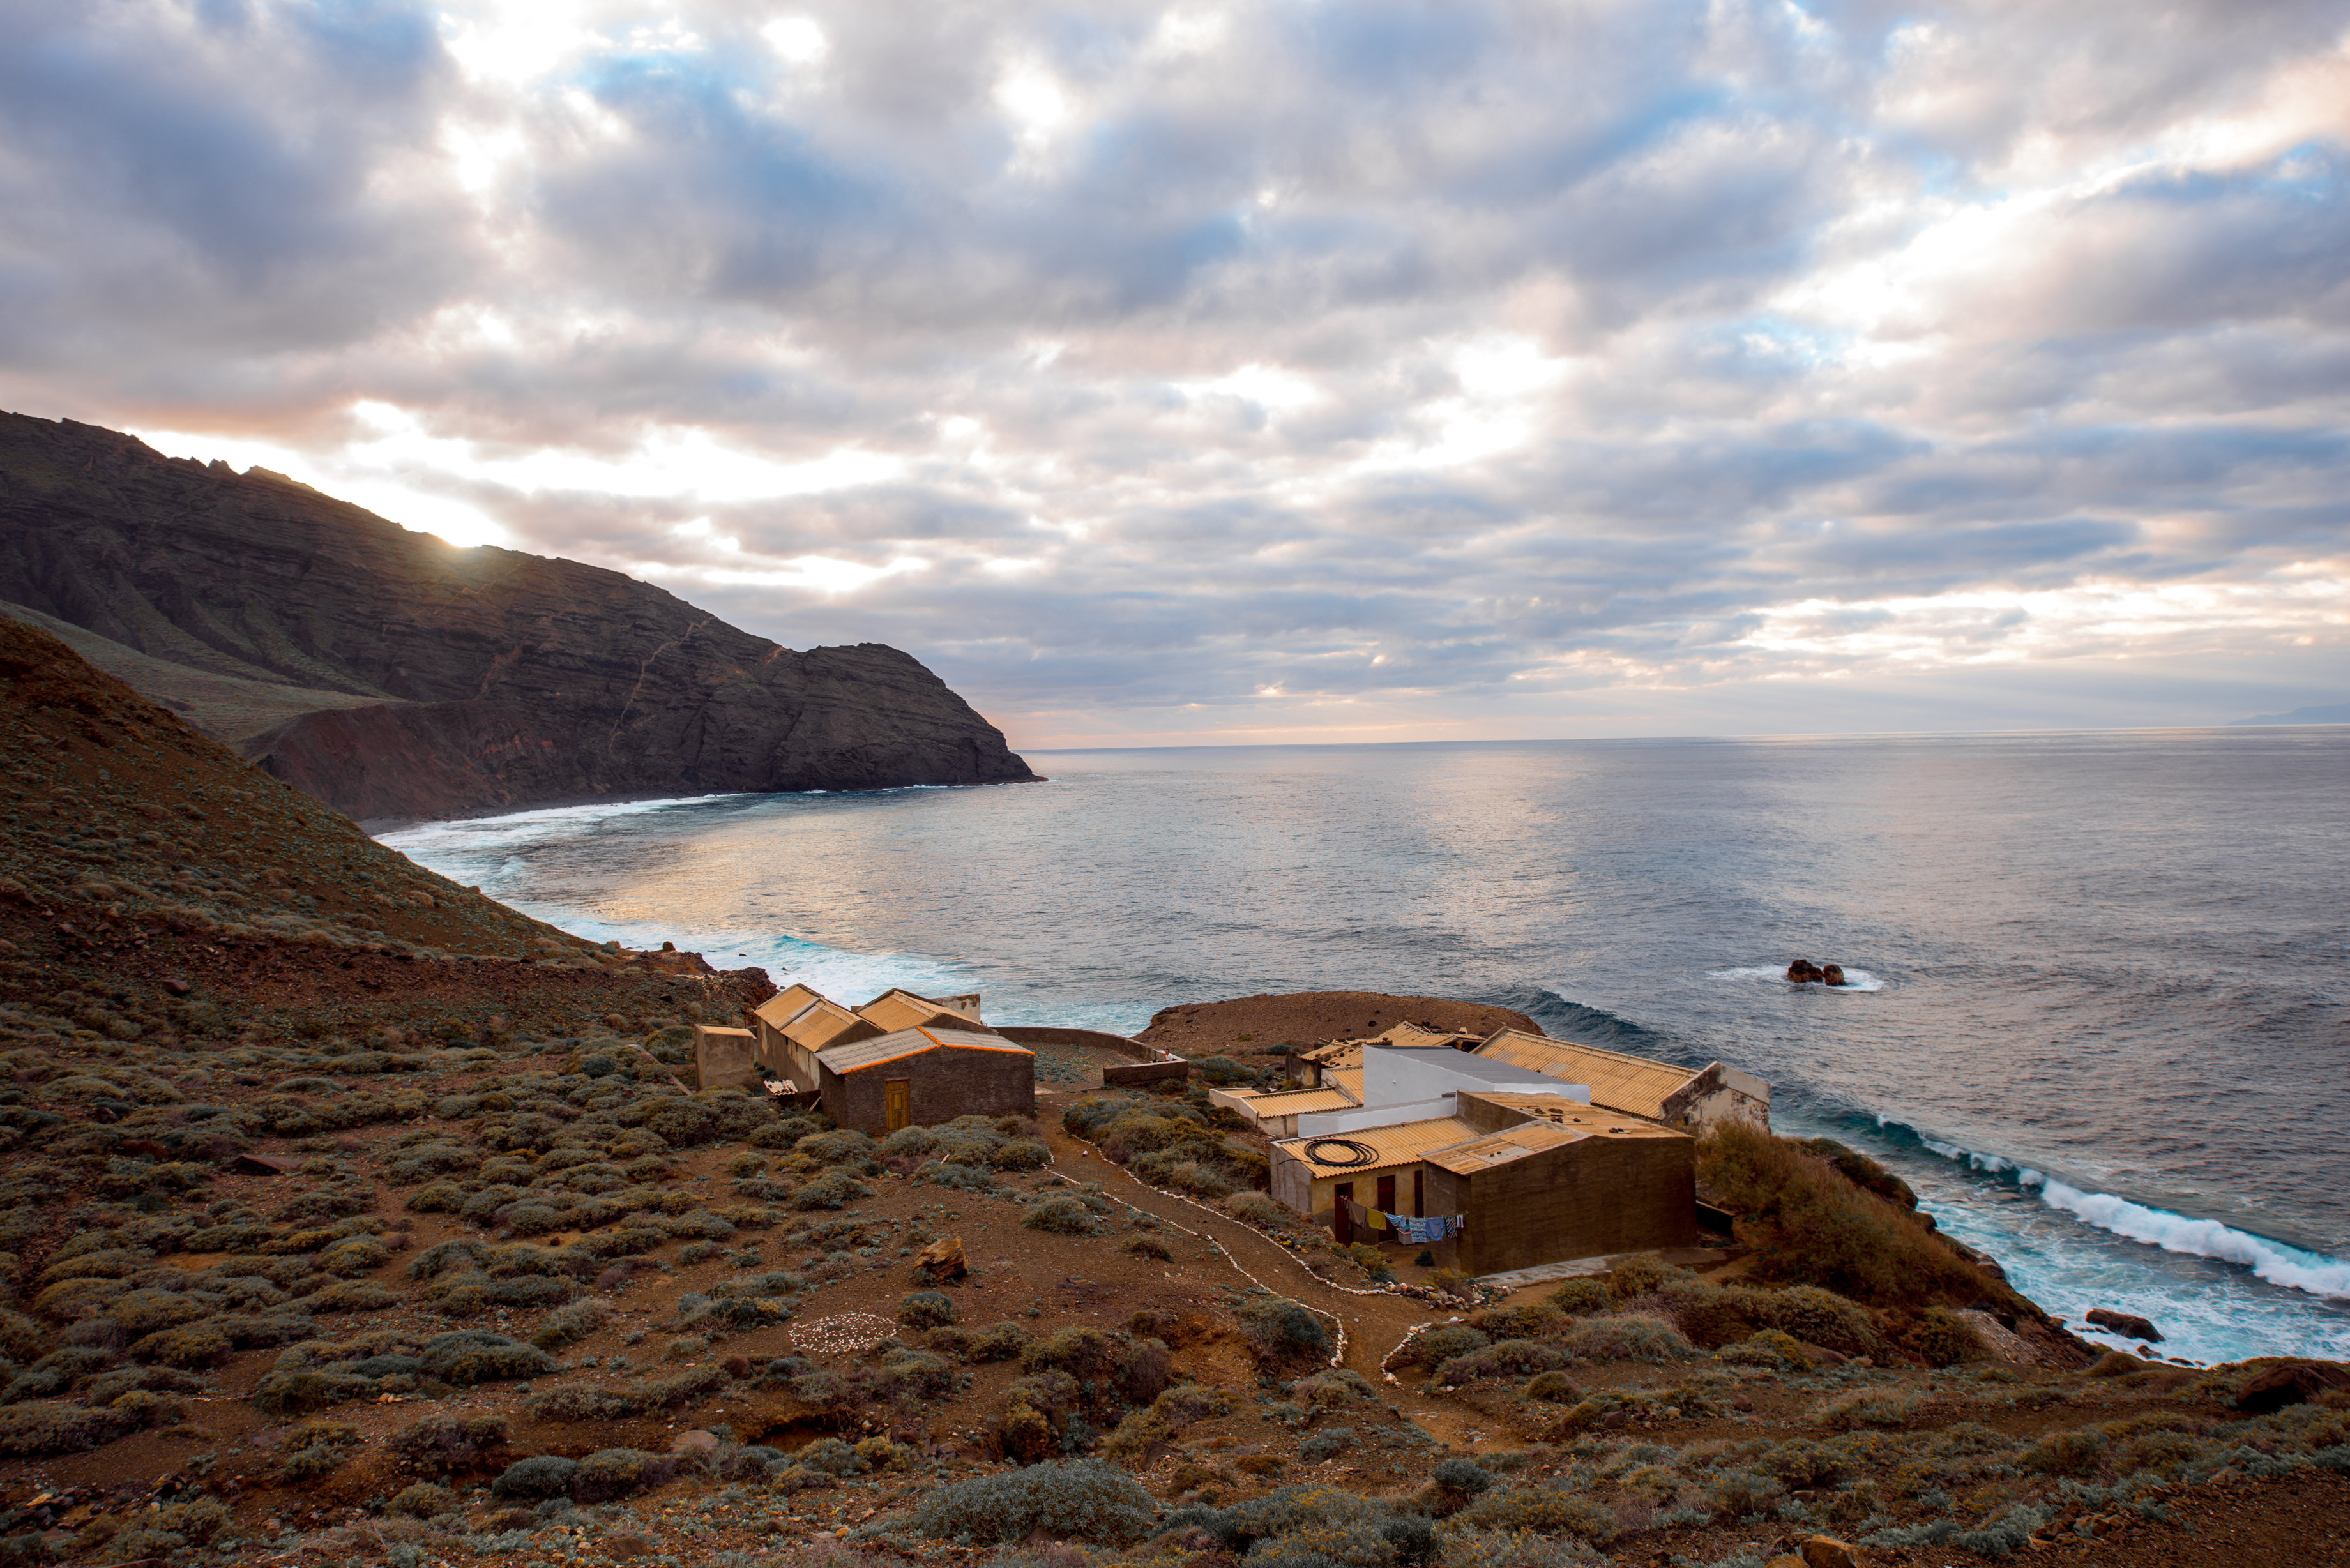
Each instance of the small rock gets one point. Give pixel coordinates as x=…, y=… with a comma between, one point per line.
x=2127, y=1325
x=623, y=1548
x=1803, y=971
x=1827, y=1551
x=941, y=1261
x=695, y=1442
x=1784, y=1560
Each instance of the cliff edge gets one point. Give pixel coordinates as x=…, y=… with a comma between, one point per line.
x=448, y=680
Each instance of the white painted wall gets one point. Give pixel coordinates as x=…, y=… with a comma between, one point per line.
x=1392, y=1077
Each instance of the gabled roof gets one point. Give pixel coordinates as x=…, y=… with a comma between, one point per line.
x=1618, y=1083
x=895, y=1010
x=857, y=1056
x=824, y=1023
x=777, y=1009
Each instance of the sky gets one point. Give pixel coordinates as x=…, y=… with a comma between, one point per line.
x=1227, y=373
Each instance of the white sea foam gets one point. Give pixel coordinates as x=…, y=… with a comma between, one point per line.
x=2278, y=1263
x=2274, y=1261
x=1854, y=979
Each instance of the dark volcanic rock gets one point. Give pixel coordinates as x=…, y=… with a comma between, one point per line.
x=2295, y=1383
x=503, y=678
x=2123, y=1323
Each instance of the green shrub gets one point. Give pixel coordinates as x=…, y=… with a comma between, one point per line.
x=424, y=1501
x=1021, y=1154
x=1868, y=1407
x=1773, y=1348
x=144, y=1311
x=916, y=1373
x=1544, y=1510
x=566, y=1326
x=21, y=1339
x=1441, y=1344
x=1505, y=1358
x=1822, y=1317
x=33, y=1430
x=845, y=1146
x=1534, y=1320
x=997, y=1342
x=1062, y=1215
x=1628, y=1336
x=468, y=1356
x=927, y=1309
x=1277, y=1330
x=2077, y=1453
x=459, y=1252
x=1552, y=1388
x=1946, y=1339
x=353, y=1296
x=1084, y=1500
x=1811, y=1225
x=314, y=1448
x=540, y=1476
x=354, y=1255
x=285, y=1394
x=193, y=1346
x=446, y=1444
x=609, y=1473
x=833, y=1189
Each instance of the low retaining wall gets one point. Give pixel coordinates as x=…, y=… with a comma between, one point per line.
x=1147, y=1073
x=1034, y=1034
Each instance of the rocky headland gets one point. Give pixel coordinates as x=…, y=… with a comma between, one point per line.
x=394, y=676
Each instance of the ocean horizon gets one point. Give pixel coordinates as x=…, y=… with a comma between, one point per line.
x=2099, y=1020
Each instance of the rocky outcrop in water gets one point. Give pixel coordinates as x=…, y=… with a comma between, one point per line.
x=484, y=678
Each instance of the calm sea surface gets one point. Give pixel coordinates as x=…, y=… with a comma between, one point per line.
x=2104, y=1025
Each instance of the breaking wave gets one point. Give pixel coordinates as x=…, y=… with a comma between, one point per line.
x=2278, y=1263
x=2273, y=1261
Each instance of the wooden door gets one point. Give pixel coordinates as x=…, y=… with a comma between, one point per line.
x=1342, y=1225
x=897, y=1103
x=1387, y=1194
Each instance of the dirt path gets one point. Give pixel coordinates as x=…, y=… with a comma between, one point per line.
x=1375, y=1322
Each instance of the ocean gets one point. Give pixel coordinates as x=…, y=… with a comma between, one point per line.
x=2100, y=1022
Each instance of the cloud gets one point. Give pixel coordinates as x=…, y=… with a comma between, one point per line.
x=1274, y=368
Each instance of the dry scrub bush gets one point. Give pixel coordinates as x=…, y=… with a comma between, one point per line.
x=1085, y=1500
x=1810, y=1225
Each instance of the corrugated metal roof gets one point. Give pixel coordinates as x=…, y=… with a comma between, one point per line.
x=860, y=1054
x=901, y=1010
x=1596, y=1119
x=1406, y=1143
x=1349, y=1079
x=1300, y=1102
x=1616, y=1082
x=1502, y=1147
x=822, y=1022
x=1338, y=1053
x=777, y=1009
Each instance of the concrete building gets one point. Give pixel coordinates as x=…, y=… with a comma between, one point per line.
x=921, y=1076
x=725, y=1058
x=1678, y=1098
x=1510, y=1179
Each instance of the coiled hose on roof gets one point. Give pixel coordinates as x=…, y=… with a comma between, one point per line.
x=1356, y=1152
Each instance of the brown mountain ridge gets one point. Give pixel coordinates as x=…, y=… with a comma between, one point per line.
x=445, y=680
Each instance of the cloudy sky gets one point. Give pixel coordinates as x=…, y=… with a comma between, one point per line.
x=1232, y=372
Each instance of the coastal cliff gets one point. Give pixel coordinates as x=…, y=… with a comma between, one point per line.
x=447, y=680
